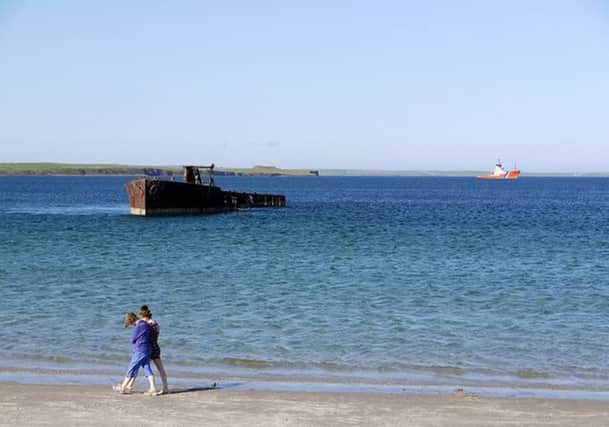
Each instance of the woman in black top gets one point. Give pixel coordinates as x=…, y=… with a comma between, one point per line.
x=156, y=350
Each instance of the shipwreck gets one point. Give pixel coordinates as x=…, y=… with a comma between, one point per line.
x=193, y=195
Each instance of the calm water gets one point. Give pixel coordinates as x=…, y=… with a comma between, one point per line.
x=368, y=280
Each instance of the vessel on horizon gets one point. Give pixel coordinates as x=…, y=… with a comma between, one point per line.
x=501, y=173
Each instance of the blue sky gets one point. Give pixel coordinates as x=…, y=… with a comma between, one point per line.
x=315, y=84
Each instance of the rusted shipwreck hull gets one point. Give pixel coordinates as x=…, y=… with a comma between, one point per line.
x=157, y=197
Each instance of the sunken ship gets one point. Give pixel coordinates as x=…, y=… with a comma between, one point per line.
x=192, y=195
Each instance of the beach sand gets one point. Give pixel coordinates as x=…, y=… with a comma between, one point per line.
x=91, y=405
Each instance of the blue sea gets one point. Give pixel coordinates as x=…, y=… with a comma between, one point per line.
x=360, y=283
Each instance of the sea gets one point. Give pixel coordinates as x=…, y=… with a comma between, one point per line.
x=363, y=284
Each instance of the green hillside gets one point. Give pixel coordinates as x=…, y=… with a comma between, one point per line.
x=116, y=169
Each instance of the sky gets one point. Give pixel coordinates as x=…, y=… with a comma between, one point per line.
x=394, y=85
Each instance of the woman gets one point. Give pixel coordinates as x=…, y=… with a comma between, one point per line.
x=142, y=349
x=155, y=356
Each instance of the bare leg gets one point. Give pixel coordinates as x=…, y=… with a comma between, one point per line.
x=159, y=366
x=151, y=386
x=129, y=385
x=125, y=386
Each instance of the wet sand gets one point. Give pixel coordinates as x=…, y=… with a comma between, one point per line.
x=90, y=405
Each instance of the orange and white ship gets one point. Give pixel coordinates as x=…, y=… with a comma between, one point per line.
x=501, y=173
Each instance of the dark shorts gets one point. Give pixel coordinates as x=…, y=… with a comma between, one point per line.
x=156, y=352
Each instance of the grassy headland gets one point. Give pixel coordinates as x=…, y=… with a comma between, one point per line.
x=117, y=169
x=50, y=169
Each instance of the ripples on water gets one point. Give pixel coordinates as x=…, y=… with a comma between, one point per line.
x=386, y=279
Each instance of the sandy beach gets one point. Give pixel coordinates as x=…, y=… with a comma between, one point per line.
x=91, y=405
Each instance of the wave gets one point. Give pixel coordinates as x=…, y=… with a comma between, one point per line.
x=68, y=210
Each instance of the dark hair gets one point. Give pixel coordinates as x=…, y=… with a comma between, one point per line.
x=145, y=312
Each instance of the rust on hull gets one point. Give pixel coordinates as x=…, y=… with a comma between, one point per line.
x=154, y=197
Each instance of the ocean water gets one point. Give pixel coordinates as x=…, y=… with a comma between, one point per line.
x=361, y=281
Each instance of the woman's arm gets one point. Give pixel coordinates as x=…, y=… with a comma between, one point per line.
x=139, y=331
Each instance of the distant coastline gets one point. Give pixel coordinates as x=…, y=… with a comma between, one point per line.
x=75, y=169
x=454, y=173
x=71, y=169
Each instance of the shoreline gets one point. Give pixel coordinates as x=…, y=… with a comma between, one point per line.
x=315, y=384
x=22, y=404
x=440, y=382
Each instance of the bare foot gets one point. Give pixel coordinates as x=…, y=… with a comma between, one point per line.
x=119, y=388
